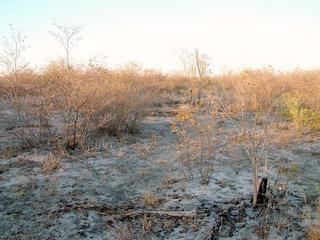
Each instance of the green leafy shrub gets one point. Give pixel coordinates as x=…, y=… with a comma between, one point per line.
x=297, y=111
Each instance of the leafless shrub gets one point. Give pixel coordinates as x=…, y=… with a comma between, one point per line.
x=253, y=129
x=95, y=101
x=68, y=37
x=12, y=57
x=13, y=60
x=196, y=67
x=254, y=98
x=197, y=140
x=74, y=106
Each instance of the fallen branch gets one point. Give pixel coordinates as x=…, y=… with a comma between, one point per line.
x=174, y=214
x=209, y=230
x=126, y=211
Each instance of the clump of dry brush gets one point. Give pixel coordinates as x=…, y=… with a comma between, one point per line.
x=74, y=105
x=68, y=104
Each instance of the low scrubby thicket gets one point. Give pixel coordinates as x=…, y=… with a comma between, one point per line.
x=294, y=96
x=73, y=106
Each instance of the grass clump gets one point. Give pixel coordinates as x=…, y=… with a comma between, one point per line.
x=51, y=163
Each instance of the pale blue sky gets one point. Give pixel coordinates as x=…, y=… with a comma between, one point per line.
x=237, y=34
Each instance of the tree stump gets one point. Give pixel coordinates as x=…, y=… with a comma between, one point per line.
x=262, y=194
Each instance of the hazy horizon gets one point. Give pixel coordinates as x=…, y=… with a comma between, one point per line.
x=235, y=34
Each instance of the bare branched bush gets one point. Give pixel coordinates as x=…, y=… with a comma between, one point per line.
x=265, y=89
x=68, y=37
x=197, y=138
x=74, y=106
x=95, y=101
x=255, y=89
x=16, y=82
x=13, y=50
x=196, y=66
x=251, y=115
x=255, y=140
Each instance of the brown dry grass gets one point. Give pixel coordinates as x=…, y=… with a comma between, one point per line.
x=51, y=163
x=314, y=232
x=150, y=199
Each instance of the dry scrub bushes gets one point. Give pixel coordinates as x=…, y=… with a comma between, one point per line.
x=197, y=141
x=252, y=101
x=74, y=105
x=249, y=102
x=301, y=104
x=23, y=93
x=250, y=89
x=291, y=95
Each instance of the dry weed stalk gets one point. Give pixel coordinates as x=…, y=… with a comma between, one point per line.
x=147, y=224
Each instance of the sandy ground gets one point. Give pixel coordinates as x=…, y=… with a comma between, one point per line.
x=101, y=194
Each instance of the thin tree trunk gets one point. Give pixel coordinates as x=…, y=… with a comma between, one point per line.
x=255, y=181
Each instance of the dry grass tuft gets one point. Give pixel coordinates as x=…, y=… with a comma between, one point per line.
x=168, y=180
x=149, y=199
x=314, y=232
x=51, y=163
x=314, y=228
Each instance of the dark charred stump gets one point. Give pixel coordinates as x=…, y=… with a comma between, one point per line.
x=262, y=194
